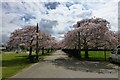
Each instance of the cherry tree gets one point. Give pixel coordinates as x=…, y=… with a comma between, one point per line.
x=27, y=37
x=96, y=31
x=46, y=42
x=118, y=35
x=90, y=33
x=52, y=44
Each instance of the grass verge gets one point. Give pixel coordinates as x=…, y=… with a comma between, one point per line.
x=12, y=63
x=96, y=55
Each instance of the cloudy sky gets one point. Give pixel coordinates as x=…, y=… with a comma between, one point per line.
x=54, y=16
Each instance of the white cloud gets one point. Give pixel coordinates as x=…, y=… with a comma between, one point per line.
x=56, y=0
x=13, y=13
x=108, y=11
x=7, y=25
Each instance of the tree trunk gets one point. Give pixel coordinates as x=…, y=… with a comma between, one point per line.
x=48, y=50
x=42, y=50
x=79, y=45
x=30, y=53
x=52, y=49
x=79, y=54
x=86, y=54
x=105, y=53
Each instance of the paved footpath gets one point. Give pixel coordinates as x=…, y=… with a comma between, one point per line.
x=58, y=65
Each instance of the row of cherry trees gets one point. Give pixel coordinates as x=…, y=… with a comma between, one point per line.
x=29, y=36
x=90, y=34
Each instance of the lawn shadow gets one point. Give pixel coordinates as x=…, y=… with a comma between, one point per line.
x=22, y=56
x=85, y=66
x=99, y=59
x=20, y=60
x=14, y=62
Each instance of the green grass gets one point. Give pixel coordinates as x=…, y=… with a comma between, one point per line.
x=13, y=63
x=0, y=66
x=97, y=55
x=45, y=54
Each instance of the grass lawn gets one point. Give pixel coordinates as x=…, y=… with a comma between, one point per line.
x=13, y=63
x=0, y=66
x=97, y=55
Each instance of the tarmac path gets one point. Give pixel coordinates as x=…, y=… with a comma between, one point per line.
x=58, y=65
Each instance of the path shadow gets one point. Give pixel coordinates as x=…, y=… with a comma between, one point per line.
x=85, y=66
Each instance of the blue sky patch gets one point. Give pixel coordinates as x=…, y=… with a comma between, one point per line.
x=52, y=5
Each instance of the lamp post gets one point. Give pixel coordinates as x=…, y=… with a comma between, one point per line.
x=37, y=57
